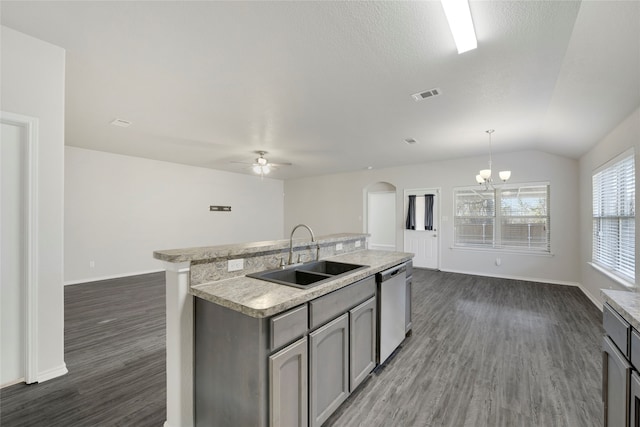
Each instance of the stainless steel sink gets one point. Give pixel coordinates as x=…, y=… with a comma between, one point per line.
x=307, y=275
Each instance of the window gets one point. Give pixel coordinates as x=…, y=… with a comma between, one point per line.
x=614, y=199
x=521, y=221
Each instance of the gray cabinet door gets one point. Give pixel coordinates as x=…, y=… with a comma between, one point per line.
x=362, y=340
x=328, y=369
x=288, y=392
x=634, y=400
x=407, y=313
x=616, y=376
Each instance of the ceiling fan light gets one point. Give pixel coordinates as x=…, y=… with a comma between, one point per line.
x=485, y=174
x=257, y=169
x=261, y=161
x=266, y=169
x=505, y=175
x=479, y=179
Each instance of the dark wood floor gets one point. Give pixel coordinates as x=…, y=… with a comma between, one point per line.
x=484, y=352
x=488, y=352
x=115, y=354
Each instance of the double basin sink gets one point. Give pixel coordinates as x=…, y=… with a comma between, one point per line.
x=304, y=276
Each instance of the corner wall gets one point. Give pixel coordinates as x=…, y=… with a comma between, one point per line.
x=119, y=209
x=32, y=84
x=335, y=203
x=623, y=137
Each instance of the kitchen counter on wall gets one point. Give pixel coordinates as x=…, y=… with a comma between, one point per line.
x=259, y=298
x=626, y=303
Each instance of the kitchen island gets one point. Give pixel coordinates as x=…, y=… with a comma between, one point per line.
x=204, y=273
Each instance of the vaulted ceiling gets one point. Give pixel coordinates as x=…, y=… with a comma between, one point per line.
x=327, y=85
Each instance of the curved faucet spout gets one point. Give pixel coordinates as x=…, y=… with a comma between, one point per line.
x=313, y=239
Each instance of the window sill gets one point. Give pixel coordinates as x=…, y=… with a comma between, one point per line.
x=502, y=250
x=615, y=278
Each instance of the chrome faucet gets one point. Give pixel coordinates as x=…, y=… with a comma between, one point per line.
x=313, y=239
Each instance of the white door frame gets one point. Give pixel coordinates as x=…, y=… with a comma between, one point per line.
x=436, y=191
x=30, y=127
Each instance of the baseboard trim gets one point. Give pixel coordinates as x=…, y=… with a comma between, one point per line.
x=591, y=297
x=113, y=276
x=14, y=382
x=52, y=373
x=523, y=278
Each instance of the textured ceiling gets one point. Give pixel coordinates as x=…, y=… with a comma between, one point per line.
x=327, y=85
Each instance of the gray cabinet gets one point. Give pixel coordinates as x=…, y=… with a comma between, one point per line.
x=634, y=401
x=288, y=389
x=616, y=375
x=362, y=342
x=328, y=369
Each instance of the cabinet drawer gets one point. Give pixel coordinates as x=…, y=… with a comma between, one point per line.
x=635, y=349
x=331, y=305
x=288, y=326
x=617, y=328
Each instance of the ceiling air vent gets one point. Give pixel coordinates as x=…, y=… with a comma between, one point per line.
x=410, y=141
x=426, y=94
x=121, y=123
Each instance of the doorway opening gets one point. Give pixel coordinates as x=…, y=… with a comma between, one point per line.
x=18, y=254
x=381, y=216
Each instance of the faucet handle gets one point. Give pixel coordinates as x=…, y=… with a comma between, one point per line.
x=299, y=255
x=282, y=265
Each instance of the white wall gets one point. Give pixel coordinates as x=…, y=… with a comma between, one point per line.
x=623, y=137
x=119, y=209
x=32, y=84
x=334, y=203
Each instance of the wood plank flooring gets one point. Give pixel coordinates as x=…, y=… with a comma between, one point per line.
x=488, y=352
x=484, y=352
x=115, y=354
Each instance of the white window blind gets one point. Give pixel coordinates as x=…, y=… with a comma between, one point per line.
x=525, y=217
x=614, y=196
x=474, y=217
x=522, y=221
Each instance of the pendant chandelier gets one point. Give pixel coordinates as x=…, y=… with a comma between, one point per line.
x=484, y=177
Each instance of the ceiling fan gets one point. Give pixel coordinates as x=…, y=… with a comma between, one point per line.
x=262, y=166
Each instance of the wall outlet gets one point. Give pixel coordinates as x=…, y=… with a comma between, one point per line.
x=92, y=264
x=357, y=243
x=338, y=246
x=235, y=264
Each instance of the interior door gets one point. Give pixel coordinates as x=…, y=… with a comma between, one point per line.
x=381, y=220
x=12, y=254
x=423, y=243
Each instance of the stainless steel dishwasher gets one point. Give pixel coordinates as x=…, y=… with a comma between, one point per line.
x=391, y=321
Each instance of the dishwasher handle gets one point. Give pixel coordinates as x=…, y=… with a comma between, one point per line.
x=390, y=273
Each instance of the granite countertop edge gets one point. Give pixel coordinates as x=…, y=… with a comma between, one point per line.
x=207, y=253
x=626, y=303
x=258, y=298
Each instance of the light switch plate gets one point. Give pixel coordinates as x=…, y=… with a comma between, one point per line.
x=235, y=264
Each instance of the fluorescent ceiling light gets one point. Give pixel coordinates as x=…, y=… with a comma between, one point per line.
x=461, y=24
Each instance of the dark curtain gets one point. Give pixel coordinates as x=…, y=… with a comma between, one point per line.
x=411, y=214
x=428, y=211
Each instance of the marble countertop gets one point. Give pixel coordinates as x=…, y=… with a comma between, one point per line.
x=259, y=298
x=243, y=249
x=626, y=303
